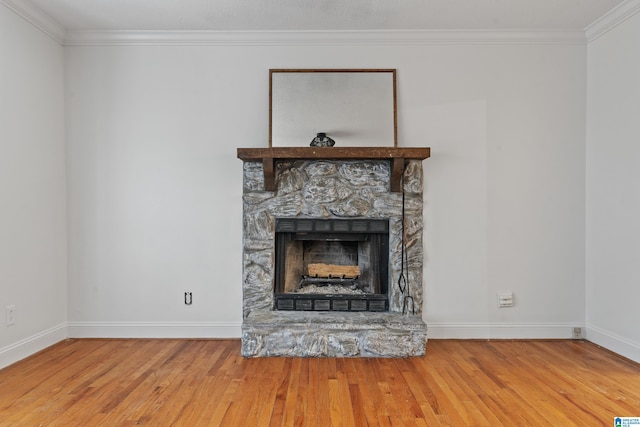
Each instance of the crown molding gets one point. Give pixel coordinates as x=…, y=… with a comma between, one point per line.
x=42, y=21
x=37, y=18
x=612, y=19
x=306, y=38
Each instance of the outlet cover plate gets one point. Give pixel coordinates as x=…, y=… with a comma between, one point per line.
x=505, y=299
x=10, y=315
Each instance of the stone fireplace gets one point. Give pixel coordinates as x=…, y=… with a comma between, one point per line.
x=331, y=266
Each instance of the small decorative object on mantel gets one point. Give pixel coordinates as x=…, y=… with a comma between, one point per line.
x=322, y=140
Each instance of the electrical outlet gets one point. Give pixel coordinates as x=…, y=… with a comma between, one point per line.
x=188, y=298
x=10, y=315
x=576, y=333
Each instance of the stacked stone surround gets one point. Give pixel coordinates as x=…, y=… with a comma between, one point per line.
x=331, y=189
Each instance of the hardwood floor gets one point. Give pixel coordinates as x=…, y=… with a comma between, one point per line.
x=208, y=383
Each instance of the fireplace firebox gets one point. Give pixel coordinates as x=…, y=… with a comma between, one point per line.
x=331, y=264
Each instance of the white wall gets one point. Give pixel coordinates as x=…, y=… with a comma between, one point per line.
x=505, y=199
x=613, y=197
x=33, y=252
x=155, y=187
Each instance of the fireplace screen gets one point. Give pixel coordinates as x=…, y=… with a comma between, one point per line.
x=332, y=264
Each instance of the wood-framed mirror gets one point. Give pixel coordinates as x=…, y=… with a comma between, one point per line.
x=354, y=107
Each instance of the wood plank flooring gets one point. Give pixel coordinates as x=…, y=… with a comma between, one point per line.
x=207, y=383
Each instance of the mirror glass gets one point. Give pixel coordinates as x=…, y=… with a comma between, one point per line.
x=355, y=108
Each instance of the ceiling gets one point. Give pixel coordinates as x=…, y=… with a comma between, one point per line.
x=297, y=15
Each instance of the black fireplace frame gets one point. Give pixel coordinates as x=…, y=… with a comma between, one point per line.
x=351, y=229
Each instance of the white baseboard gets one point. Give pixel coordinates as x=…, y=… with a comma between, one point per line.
x=155, y=329
x=500, y=330
x=31, y=345
x=613, y=342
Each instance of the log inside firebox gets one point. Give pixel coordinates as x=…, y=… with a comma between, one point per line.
x=334, y=271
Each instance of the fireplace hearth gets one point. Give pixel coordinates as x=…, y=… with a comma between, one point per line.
x=322, y=255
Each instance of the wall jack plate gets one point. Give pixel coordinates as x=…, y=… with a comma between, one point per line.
x=505, y=299
x=10, y=315
x=576, y=333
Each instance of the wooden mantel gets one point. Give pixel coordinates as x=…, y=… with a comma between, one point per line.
x=397, y=155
